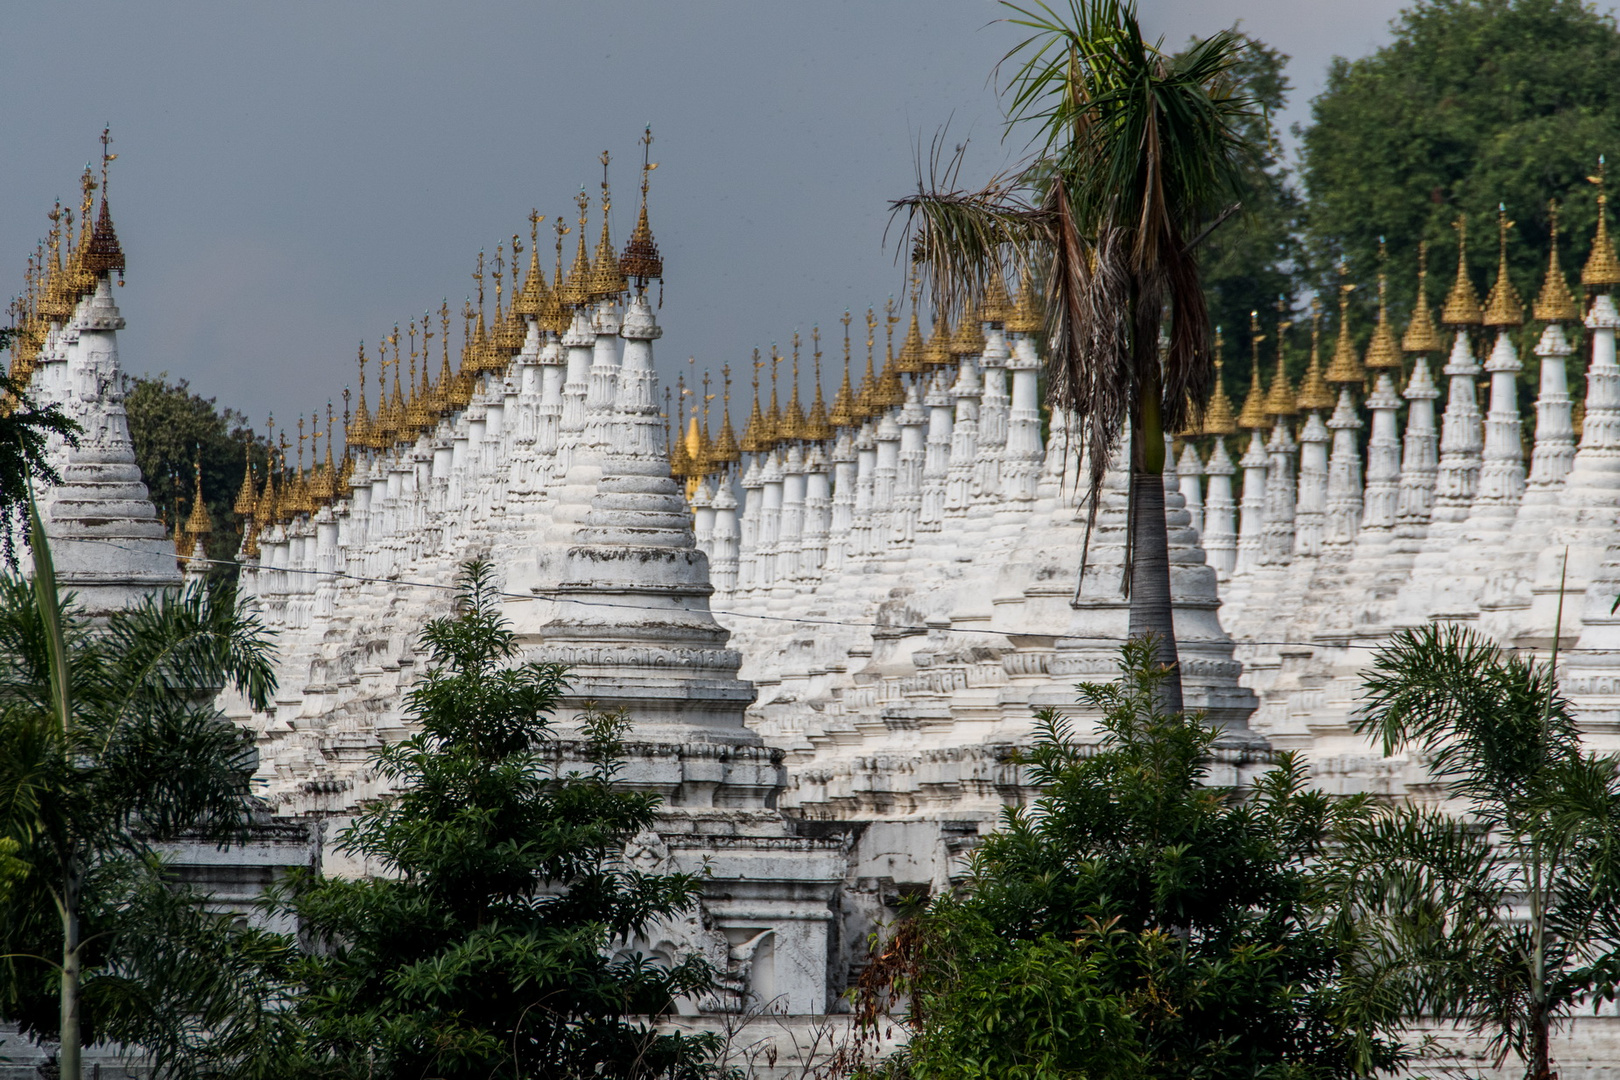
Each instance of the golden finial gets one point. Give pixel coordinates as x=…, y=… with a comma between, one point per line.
x=1314, y=394
x=888, y=391
x=530, y=303
x=105, y=254
x=1383, y=354
x=396, y=403
x=1280, y=400
x=553, y=309
x=937, y=352
x=773, y=419
x=816, y=425
x=84, y=279
x=1421, y=335
x=323, y=485
x=1346, y=369
x=576, y=291
x=247, y=496
x=199, y=524
x=1025, y=318
x=912, y=360
x=1556, y=303
x=360, y=428
x=726, y=449
x=706, y=445
x=997, y=308
x=1503, y=308
x=969, y=337
x=1462, y=304
x=1218, y=418
x=680, y=462
x=268, y=510
x=641, y=261
x=607, y=280
x=1602, y=269
x=843, y=410
x=1253, y=415
x=793, y=420
x=865, y=405
x=753, y=440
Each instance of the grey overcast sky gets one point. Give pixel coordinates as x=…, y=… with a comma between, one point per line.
x=294, y=177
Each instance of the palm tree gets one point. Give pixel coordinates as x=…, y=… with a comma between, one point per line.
x=1136, y=151
x=1507, y=918
x=110, y=742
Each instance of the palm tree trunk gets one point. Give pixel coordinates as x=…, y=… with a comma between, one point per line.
x=71, y=1040
x=1151, y=612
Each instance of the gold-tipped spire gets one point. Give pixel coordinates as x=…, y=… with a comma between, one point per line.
x=772, y=433
x=1253, y=415
x=969, y=337
x=843, y=409
x=680, y=461
x=553, y=309
x=1383, y=354
x=1462, y=303
x=754, y=439
x=1602, y=270
x=816, y=425
x=607, y=280
x=865, y=396
x=1503, y=308
x=199, y=524
x=937, y=353
x=1218, y=418
x=530, y=303
x=1280, y=400
x=268, y=510
x=1026, y=316
x=360, y=433
x=793, y=419
x=105, y=255
x=247, y=496
x=1346, y=369
x=1314, y=394
x=726, y=449
x=911, y=360
x=997, y=307
x=1556, y=303
x=641, y=261
x=1421, y=334
x=576, y=291
x=889, y=392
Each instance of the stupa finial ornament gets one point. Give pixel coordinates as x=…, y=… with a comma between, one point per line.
x=1218, y=418
x=641, y=261
x=1314, y=394
x=1280, y=401
x=1346, y=369
x=1383, y=354
x=1462, y=303
x=1421, y=335
x=1503, y=308
x=1602, y=271
x=1556, y=303
x=1253, y=416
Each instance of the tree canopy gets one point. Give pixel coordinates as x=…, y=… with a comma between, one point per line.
x=1474, y=103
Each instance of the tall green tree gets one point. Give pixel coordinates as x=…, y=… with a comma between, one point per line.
x=1138, y=154
x=497, y=942
x=1505, y=917
x=1473, y=103
x=1136, y=921
x=110, y=742
x=174, y=429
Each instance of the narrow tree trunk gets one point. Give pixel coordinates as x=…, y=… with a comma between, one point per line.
x=1540, y=1047
x=1151, y=612
x=71, y=1039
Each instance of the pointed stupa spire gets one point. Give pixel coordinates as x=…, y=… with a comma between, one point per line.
x=576, y=291
x=1280, y=400
x=1602, y=271
x=865, y=397
x=726, y=449
x=641, y=261
x=937, y=353
x=1503, y=308
x=772, y=433
x=793, y=417
x=1253, y=416
x=754, y=440
x=247, y=496
x=997, y=307
x=268, y=510
x=1383, y=354
x=816, y=425
x=396, y=406
x=1462, y=303
x=889, y=391
x=84, y=279
x=1026, y=317
x=1218, y=418
x=553, y=311
x=1556, y=303
x=105, y=255
x=1314, y=394
x=843, y=409
x=530, y=303
x=680, y=461
x=911, y=360
x=1421, y=334
x=606, y=279
x=1346, y=369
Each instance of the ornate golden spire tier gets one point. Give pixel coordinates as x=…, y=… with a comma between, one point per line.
x=726, y=449
x=937, y=353
x=1421, y=334
x=843, y=409
x=1280, y=400
x=772, y=431
x=1026, y=316
x=1218, y=418
x=754, y=440
x=912, y=360
x=969, y=337
x=105, y=255
x=641, y=261
x=793, y=419
x=1556, y=303
x=1346, y=369
x=1503, y=308
x=606, y=279
x=247, y=496
x=1314, y=393
x=530, y=303
x=1383, y=354
x=866, y=405
x=816, y=425
x=997, y=307
x=1602, y=270
x=1462, y=303
x=889, y=392
x=576, y=291
x=1253, y=416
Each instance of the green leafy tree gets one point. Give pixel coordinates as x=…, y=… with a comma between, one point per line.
x=1473, y=103
x=1138, y=154
x=1506, y=918
x=110, y=742
x=484, y=951
x=1136, y=921
x=173, y=429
